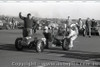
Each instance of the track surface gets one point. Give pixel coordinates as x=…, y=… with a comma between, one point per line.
x=85, y=53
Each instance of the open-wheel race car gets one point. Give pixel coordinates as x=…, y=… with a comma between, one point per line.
x=56, y=37
x=64, y=42
x=38, y=44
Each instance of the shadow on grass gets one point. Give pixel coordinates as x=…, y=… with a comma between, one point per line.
x=11, y=47
x=76, y=54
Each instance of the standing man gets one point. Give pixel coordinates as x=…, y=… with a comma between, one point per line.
x=13, y=23
x=81, y=26
x=35, y=25
x=28, y=22
x=88, y=27
x=16, y=24
x=69, y=21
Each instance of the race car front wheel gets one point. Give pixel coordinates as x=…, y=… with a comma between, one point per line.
x=65, y=44
x=18, y=45
x=39, y=46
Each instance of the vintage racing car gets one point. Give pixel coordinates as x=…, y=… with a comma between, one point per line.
x=39, y=43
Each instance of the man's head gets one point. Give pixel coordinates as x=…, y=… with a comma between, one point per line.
x=93, y=19
x=79, y=18
x=73, y=26
x=46, y=29
x=88, y=18
x=68, y=17
x=29, y=15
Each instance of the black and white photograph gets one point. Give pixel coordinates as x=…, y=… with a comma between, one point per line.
x=50, y=34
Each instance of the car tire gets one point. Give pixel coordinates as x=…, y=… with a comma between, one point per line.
x=65, y=44
x=18, y=45
x=39, y=46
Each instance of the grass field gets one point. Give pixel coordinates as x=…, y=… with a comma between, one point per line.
x=85, y=50
x=81, y=43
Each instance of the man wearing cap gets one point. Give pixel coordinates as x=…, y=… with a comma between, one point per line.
x=28, y=22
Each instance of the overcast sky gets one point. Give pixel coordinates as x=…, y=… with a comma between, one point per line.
x=53, y=9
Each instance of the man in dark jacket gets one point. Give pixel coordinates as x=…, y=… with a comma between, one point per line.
x=88, y=26
x=47, y=34
x=28, y=22
x=94, y=23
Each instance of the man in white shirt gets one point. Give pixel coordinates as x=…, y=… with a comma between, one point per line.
x=73, y=34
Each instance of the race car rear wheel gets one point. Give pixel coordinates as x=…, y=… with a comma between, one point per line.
x=65, y=44
x=18, y=45
x=39, y=46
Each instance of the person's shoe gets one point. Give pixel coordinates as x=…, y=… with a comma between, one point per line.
x=84, y=35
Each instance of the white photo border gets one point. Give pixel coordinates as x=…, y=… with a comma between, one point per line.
x=48, y=0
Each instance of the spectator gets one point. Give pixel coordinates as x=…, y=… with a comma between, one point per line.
x=69, y=21
x=13, y=22
x=88, y=27
x=35, y=24
x=94, y=23
x=81, y=26
x=16, y=24
x=10, y=25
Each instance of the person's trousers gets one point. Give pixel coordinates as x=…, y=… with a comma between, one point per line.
x=72, y=40
x=27, y=32
x=88, y=31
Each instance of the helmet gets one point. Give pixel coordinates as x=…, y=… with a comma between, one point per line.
x=72, y=25
x=46, y=28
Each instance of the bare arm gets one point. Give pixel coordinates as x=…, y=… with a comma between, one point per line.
x=21, y=16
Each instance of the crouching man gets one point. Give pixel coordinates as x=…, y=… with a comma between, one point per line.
x=73, y=34
x=48, y=37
